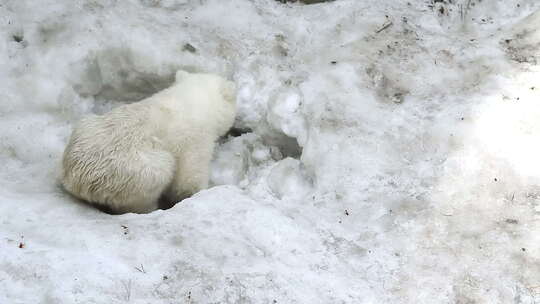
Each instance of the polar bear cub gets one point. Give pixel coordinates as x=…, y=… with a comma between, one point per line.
x=128, y=158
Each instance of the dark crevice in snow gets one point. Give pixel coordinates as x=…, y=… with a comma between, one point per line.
x=18, y=38
x=288, y=146
x=236, y=132
x=280, y=144
x=241, y=160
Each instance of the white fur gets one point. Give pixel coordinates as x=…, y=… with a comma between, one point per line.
x=126, y=159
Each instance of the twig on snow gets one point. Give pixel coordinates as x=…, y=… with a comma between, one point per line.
x=141, y=269
x=386, y=25
x=127, y=289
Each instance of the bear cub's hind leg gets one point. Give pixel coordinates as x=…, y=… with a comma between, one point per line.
x=144, y=183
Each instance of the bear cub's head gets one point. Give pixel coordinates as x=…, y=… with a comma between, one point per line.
x=219, y=93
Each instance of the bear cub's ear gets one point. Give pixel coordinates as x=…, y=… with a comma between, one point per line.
x=180, y=75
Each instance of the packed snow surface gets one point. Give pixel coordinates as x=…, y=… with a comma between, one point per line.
x=390, y=152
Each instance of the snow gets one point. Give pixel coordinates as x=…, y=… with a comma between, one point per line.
x=392, y=158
